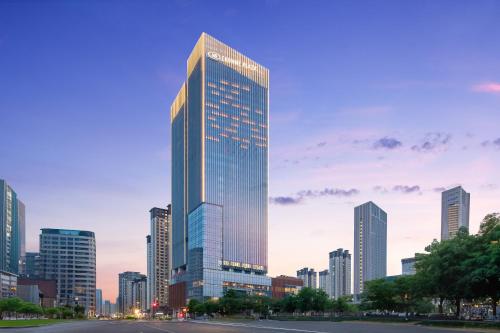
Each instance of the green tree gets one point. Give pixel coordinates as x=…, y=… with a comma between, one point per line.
x=289, y=304
x=231, y=302
x=485, y=265
x=305, y=299
x=379, y=294
x=320, y=300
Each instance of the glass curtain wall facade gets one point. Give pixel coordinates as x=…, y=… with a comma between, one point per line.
x=11, y=229
x=370, y=244
x=220, y=170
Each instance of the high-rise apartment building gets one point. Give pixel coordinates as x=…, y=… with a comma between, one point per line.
x=69, y=257
x=309, y=276
x=12, y=227
x=98, y=302
x=370, y=244
x=132, y=292
x=160, y=264
x=220, y=136
x=150, y=272
x=340, y=273
x=324, y=281
x=455, y=211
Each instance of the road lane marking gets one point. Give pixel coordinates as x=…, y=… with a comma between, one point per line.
x=257, y=326
x=160, y=329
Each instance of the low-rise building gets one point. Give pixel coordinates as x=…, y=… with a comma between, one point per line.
x=283, y=286
x=8, y=284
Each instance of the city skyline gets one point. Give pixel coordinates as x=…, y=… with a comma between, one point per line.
x=391, y=122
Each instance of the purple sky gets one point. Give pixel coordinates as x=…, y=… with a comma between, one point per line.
x=388, y=101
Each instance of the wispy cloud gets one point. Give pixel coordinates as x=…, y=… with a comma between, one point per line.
x=387, y=143
x=439, y=189
x=406, y=189
x=487, y=87
x=300, y=196
x=285, y=201
x=433, y=141
x=492, y=143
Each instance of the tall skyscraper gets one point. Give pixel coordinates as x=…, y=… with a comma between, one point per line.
x=150, y=272
x=68, y=256
x=340, y=273
x=220, y=136
x=161, y=224
x=98, y=302
x=324, y=281
x=11, y=229
x=309, y=276
x=131, y=292
x=455, y=211
x=370, y=244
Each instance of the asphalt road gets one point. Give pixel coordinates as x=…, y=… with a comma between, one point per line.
x=228, y=327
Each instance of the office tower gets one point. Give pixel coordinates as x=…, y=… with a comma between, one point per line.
x=150, y=271
x=309, y=276
x=107, y=308
x=11, y=230
x=408, y=266
x=324, y=281
x=340, y=273
x=160, y=265
x=220, y=136
x=21, y=217
x=98, y=302
x=69, y=257
x=455, y=210
x=370, y=244
x=31, y=265
x=283, y=286
x=131, y=292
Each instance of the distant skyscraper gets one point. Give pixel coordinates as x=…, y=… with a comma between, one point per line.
x=11, y=229
x=220, y=173
x=455, y=211
x=150, y=271
x=408, y=266
x=32, y=265
x=98, y=302
x=370, y=244
x=131, y=292
x=309, y=276
x=68, y=256
x=324, y=281
x=340, y=273
x=160, y=225
x=107, y=308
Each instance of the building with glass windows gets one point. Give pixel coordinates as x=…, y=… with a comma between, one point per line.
x=220, y=136
x=159, y=256
x=370, y=244
x=69, y=257
x=455, y=211
x=309, y=276
x=408, y=266
x=340, y=273
x=12, y=229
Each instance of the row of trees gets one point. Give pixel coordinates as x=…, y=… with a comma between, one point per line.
x=307, y=300
x=466, y=267
x=14, y=307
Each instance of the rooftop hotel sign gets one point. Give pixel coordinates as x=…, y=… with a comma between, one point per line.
x=236, y=62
